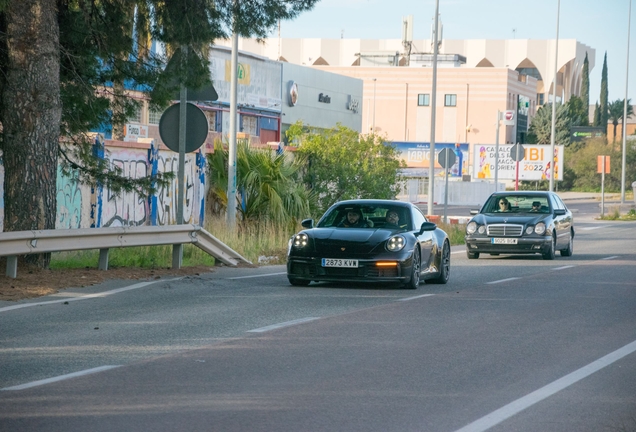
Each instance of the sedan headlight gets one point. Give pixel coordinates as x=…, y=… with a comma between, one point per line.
x=471, y=228
x=539, y=228
x=300, y=240
x=395, y=243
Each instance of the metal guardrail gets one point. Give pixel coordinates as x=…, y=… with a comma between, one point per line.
x=13, y=244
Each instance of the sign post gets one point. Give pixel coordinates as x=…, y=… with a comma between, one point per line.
x=517, y=153
x=603, y=167
x=446, y=158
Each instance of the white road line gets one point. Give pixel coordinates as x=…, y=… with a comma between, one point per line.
x=536, y=396
x=416, y=297
x=591, y=228
x=612, y=257
x=60, y=378
x=461, y=251
x=283, y=324
x=256, y=276
x=564, y=267
x=87, y=296
x=502, y=280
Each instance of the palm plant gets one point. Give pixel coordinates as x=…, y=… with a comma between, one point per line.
x=268, y=185
x=616, y=110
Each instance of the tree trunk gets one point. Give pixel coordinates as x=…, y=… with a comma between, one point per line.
x=31, y=112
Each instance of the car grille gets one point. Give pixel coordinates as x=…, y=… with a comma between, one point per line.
x=311, y=270
x=505, y=230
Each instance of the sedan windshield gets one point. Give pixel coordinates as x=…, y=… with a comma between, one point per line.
x=517, y=204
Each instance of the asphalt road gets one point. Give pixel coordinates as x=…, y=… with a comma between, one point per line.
x=510, y=344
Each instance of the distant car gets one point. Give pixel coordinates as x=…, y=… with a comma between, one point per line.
x=531, y=223
x=371, y=249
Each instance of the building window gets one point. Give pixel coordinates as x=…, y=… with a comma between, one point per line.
x=250, y=125
x=450, y=100
x=541, y=99
x=136, y=117
x=211, y=115
x=423, y=100
x=154, y=116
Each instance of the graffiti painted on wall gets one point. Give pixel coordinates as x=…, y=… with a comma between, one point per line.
x=80, y=206
x=69, y=201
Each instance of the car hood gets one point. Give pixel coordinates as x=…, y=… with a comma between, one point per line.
x=515, y=219
x=331, y=241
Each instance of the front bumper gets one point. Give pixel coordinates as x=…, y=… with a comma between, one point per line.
x=310, y=268
x=525, y=245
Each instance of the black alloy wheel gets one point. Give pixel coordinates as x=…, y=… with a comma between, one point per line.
x=444, y=266
x=415, y=270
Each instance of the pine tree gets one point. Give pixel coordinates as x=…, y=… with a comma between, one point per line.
x=604, y=95
x=585, y=87
x=597, y=115
x=63, y=73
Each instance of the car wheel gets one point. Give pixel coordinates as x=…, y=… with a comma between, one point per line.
x=444, y=266
x=472, y=255
x=298, y=282
x=550, y=253
x=415, y=271
x=568, y=250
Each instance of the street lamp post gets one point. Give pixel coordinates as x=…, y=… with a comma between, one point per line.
x=554, y=86
x=431, y=172
x=629, y=16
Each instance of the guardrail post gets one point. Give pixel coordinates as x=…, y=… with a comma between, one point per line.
x=103, y=259
x=12, y=266
x=177, y=256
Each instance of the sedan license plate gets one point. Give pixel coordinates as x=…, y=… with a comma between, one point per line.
x=503, y=241
x=347, y=263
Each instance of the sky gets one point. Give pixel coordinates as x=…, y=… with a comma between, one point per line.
x=601, y=25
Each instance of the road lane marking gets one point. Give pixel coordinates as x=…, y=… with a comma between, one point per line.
x=502, y=280
x=563, y=268
x=60, y=378
x=591, y=228
x=260, y=275
x=416, y=297
x=609, y=258
x=536, y=396
x=283, y=324
x=87, y=296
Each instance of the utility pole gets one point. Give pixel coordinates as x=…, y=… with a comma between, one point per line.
x=431, y=172
x=554, y=84
x=231, y=163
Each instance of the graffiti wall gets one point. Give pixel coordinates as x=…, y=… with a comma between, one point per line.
x=80, y=206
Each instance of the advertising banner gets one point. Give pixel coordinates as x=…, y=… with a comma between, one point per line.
x=417, y=155
x=536, y=164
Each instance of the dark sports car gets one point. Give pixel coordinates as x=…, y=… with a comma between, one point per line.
x=369, y=241
x=521, y=223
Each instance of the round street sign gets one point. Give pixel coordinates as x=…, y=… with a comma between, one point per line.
x=196, y=127
x=441, y=158
x=517, y=152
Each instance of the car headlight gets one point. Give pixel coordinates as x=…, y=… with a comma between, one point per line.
x=482, y=229
x=471, y=228
x=539, y=228
x=300, y=240
x=395, y=243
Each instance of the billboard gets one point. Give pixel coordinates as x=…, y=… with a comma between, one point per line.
x=536, y=164
x=417, y=155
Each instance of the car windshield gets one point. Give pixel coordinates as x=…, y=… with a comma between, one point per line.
x=367, y=216
x=515, y=203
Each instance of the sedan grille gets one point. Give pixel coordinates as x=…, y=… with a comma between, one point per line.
x=505, y=230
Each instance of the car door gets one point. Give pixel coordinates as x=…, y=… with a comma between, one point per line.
x=425, y=239
x=562, y=223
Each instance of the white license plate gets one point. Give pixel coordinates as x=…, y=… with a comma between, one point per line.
x=503, y=241
x=330, y=262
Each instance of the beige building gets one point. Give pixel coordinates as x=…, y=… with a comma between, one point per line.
x=476, y=78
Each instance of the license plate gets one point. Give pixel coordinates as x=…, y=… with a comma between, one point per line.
x=330, y=262
x=503, y=241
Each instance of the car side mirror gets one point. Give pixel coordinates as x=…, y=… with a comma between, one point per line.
x=474, y=212
x=307, y=223
x=559, y=212
x=427, y=226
